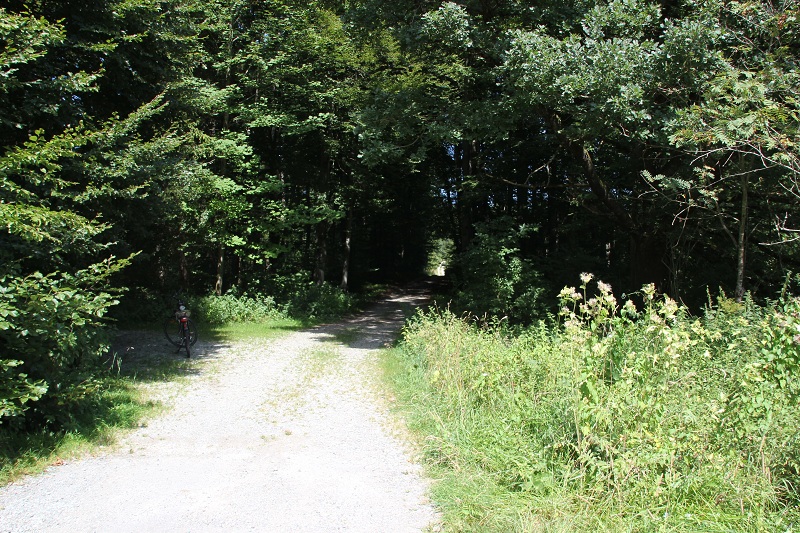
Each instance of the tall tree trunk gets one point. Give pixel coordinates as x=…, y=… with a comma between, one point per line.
x=348, y=234
x=742, y=244
x=553, y=225
x=220, y=268
x=464, y=161
x=184, y=270
x=647, y=261
x=321, y=244
x=218, y=284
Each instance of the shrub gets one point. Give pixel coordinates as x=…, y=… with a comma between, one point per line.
x=495, y=278
x=320, y=302
x=304, y=299
x=16, y=390
x=229, y=308
x=52, y=329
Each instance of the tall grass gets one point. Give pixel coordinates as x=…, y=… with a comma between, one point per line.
x=614, y=419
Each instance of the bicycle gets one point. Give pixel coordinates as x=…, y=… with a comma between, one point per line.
x=179, y=328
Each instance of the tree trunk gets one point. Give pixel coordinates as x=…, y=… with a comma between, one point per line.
x=348, y=234
x=220, y=266
x=647, y=262
x=321, y=243
x=464, y=161
x=184, y=270
x=742, y=244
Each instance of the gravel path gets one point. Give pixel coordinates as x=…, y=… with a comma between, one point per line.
x=287, y=435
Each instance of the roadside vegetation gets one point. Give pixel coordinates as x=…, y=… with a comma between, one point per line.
x=617, y=416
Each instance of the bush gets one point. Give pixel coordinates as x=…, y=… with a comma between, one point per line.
x=292, y=295
x=52, y=328
x=304, y=299
x=495, y=278
x=16, y=390
x=320, y=302
x=228, y=308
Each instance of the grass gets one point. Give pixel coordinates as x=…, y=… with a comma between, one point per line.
x=271, y=329
x=117, y=405
x=653, y=421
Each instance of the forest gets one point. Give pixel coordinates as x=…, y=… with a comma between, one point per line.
x=298, y=151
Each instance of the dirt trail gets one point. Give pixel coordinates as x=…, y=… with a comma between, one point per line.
x=287, y=435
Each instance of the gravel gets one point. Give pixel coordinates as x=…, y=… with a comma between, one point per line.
x=289, y=435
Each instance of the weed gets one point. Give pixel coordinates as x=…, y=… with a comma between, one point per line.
x=616, y=418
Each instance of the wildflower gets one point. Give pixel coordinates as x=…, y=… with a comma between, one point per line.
x=604, y=287
x=670, y=308
x=649, y=290
x=586, y=277
x=567, y=292
x=629, y=308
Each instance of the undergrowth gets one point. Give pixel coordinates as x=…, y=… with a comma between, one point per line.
x=616, y=418
x=296, y=299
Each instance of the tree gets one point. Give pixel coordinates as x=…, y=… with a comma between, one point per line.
x=55, y=262
x=744, y=133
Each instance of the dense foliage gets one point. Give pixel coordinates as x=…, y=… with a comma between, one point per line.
x=631, y=419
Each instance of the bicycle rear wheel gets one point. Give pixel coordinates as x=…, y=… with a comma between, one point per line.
x=187, y=338
x=192, y=331
x=173, y=331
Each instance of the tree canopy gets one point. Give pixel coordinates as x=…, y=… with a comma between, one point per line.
x=249, y=146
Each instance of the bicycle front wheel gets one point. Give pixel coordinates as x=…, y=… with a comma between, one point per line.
x=173, y=331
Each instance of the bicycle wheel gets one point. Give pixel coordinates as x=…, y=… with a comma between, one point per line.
x=186, y=339
x=173, y=331
x=192, y=331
